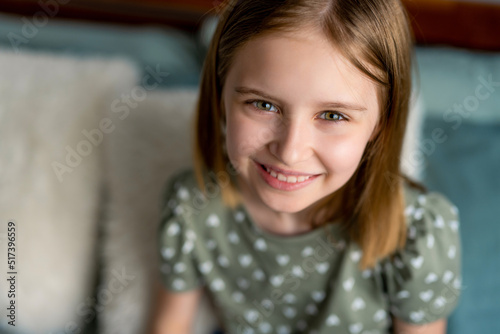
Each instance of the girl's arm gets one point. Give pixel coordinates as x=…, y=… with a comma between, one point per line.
x=436, y=327
x=176, y=311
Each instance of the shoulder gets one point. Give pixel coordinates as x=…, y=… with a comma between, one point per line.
x=424, y=277
x=184, y=200
x=178, y=234
x=182, y=190
x=419, y=203
x=193, y=223
x=432, y=221
x=180, y=185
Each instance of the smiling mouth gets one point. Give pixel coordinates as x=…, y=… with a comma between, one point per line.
x=286, y=178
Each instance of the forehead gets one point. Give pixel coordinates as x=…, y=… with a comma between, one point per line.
x=303, y=64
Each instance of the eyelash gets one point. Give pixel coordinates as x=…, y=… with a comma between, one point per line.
x=344, y=118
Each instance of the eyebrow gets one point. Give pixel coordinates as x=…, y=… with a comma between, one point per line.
x=336, y=104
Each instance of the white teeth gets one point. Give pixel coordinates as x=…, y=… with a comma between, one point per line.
x=281, y=177
x=289, y=179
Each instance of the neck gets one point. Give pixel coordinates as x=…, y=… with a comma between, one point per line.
x=284, y=223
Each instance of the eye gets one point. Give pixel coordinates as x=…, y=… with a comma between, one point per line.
x=333, y=116
x=263, y=105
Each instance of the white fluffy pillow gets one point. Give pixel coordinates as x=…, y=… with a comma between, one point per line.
x=148, y=145
x=412, y=154
x=47, y=102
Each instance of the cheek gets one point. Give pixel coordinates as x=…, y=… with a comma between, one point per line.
x=245, y=137
x=343, y=154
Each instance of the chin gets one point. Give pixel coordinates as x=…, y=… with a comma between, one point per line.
x=285, y=205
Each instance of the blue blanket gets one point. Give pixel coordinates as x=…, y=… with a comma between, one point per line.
x=466, y=167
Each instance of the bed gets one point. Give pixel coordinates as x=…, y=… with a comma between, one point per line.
x=458, y=64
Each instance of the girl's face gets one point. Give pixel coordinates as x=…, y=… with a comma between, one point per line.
x=298, y=118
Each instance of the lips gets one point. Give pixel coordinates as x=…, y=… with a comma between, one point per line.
x=286, y=177
x=283, y=179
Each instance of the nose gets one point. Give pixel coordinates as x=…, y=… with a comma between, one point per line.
x=292, y=142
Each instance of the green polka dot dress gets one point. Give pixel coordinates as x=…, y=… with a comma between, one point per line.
x=261, y=282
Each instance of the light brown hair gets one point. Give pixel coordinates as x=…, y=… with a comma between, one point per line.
x=373, y=35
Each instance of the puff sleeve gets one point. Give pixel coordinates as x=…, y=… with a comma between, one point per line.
x=177, y=240
x=423, y=279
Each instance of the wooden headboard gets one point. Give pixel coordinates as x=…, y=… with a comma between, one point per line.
x=462, y=24
x=448, y=22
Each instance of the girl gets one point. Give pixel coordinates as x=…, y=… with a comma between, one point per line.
x=297, y=218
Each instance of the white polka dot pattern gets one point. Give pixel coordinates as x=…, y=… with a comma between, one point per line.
x=266, y=285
